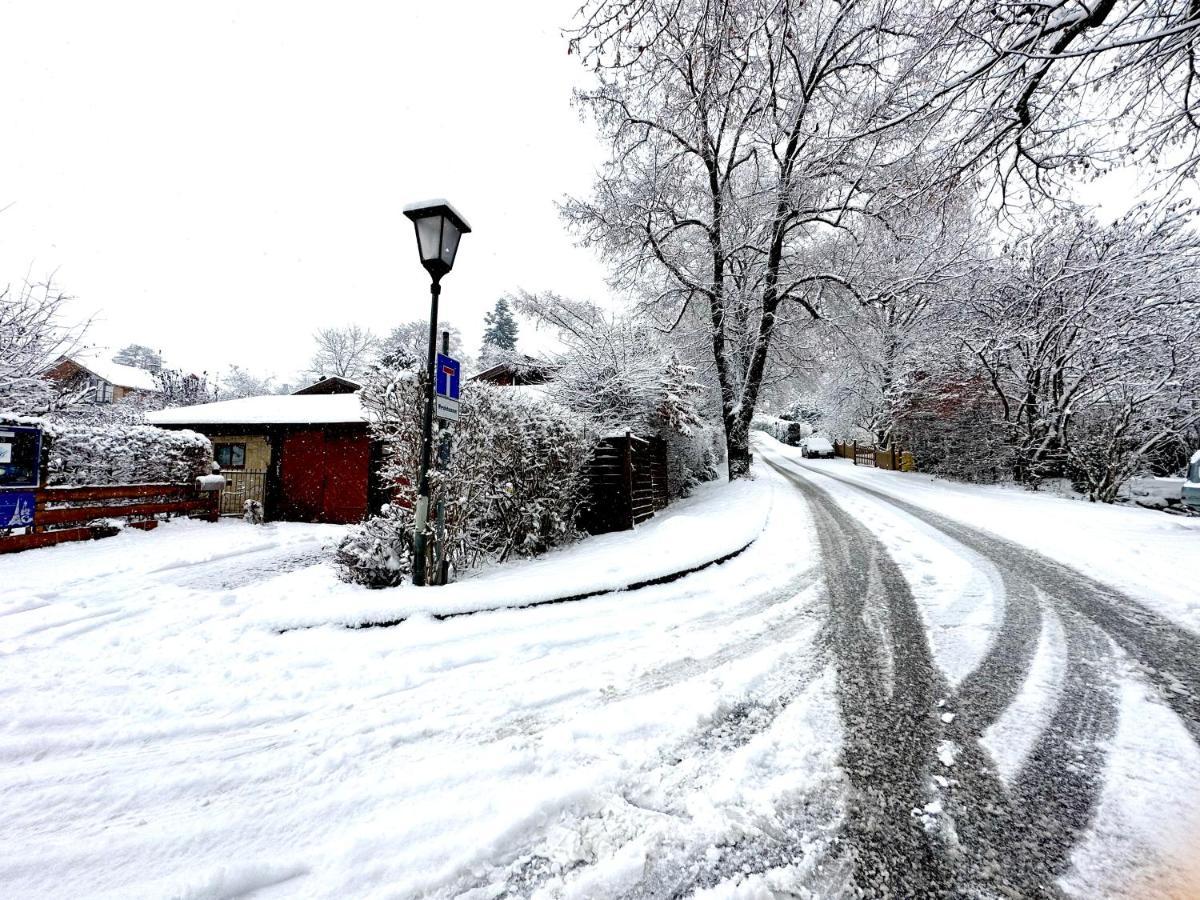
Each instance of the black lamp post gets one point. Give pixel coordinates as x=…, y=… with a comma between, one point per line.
x=439, y=227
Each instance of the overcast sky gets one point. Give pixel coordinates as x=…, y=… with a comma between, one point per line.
x=216, y=180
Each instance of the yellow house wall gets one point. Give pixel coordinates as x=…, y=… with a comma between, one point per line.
x=258, y=450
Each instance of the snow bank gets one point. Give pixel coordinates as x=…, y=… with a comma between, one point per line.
x=719, y=519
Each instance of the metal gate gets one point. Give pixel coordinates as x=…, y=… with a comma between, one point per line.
x=241, y=485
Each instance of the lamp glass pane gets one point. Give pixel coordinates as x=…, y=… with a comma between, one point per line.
x=429, y=236
x=450, y=236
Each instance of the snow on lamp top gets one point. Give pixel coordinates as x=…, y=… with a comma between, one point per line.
x=439, y=226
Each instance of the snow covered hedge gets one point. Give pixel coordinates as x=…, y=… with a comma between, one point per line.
x=515, y=479
x=119, y=454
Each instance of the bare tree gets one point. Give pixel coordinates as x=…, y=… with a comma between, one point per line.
x=239, y=382
x=408, y=344
x=1063, y=87
x=32, y=335
x=1090, y=338
x=346, y=352
x=743, y=135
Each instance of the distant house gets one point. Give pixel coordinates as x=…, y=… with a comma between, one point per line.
x=108, y=381
x=329, y=384
x=306, y=456
x=518, y=371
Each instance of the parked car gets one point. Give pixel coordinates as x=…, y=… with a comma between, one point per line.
x=816, y=448
x=1191, y=487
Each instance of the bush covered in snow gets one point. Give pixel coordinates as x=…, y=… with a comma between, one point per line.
x=119, y=454
x=515, y=478
x=693, y=457
x=621, y=377
x=378, y=553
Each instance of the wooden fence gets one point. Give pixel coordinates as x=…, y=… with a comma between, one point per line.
x=628, y=483
x=891, y=458
x=63, y=514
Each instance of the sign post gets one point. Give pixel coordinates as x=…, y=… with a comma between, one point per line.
x=20, y=474
x=449, y=373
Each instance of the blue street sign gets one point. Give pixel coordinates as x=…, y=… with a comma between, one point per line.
x=16, y=509
x=447, y=377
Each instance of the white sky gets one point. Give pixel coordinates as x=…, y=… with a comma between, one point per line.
x=216, y=180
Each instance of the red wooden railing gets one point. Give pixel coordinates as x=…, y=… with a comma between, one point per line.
x=65, y=514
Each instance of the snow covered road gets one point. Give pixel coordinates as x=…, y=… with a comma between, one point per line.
x=1049, y=745
x=878, y=698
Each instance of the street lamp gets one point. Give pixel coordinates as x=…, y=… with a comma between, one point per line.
x=439, y=228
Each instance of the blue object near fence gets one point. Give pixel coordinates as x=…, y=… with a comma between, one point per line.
x=16, y=509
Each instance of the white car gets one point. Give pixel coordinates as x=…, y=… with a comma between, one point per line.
x=816, y=448
x=1191, y=487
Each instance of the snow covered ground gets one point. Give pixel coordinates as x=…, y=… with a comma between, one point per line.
x=161, y=738
x=184, y=714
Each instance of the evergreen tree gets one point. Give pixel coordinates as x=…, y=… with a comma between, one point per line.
x=140, y=356
x=500, y=331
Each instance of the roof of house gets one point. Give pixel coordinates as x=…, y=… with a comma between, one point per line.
x=330, y=384
x=273, y=409
x=98, y=363
x=521, y=368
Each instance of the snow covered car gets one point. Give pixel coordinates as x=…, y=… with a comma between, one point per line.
x=1191, y=487
x=816, y=448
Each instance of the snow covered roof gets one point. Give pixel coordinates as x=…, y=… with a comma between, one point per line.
x=330, y=384
x=98, y=363
x=274, y=409
x=437, y=201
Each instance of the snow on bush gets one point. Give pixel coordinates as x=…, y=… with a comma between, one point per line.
x=514, y=482
x=615, y=373
x=378, y=553
x=119, y=454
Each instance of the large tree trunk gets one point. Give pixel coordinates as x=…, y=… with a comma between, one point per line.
x=737, y=447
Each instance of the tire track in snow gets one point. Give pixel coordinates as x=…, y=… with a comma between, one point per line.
x=1169, y=654
x=678, y=866
x=1032, y=825
x=887, y=691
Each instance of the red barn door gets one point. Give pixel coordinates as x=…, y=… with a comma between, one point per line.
x=348, y=455
x=324, y=476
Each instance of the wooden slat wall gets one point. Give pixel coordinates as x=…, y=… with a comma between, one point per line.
x=628, y=483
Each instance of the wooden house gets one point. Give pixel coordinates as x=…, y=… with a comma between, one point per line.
x=306, y=456
x=107, y=381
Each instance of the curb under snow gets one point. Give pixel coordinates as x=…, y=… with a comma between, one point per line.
x=717, y=524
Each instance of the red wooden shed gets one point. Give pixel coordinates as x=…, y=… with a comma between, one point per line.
x=307, y=457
